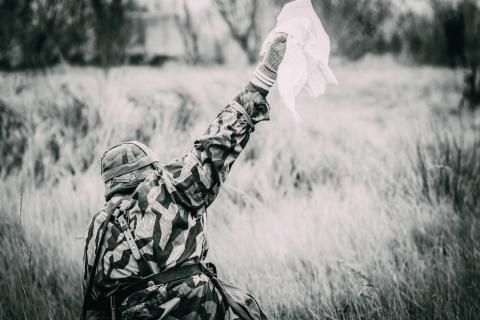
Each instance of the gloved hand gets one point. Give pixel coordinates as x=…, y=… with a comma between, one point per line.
x=266, y=71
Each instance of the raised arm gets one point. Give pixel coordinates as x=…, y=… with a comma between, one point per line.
x=198, y=175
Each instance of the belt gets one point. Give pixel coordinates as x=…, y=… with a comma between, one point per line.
x=164, y=277
x=177, y=273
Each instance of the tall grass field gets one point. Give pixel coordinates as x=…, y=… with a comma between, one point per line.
x=367, y=209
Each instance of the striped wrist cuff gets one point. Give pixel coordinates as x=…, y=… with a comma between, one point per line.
x=263, y=77
x=255, y=81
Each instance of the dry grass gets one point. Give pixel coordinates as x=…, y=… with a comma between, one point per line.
x=367, y=210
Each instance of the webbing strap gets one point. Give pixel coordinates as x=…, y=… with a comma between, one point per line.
x=143, y=265
x=129, y=237
x=164, y=277
x=126, y=168
x=86, y=297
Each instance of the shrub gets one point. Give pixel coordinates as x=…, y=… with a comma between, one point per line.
x=13, y=137
x=38, y=34
x=422, y=38
x=355, y=26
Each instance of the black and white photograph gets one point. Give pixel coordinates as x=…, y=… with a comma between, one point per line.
x=240, y=159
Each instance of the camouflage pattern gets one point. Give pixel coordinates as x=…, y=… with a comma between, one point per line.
x=122, y=154
x=167, y=217
x=193, y=298
x=124, y=166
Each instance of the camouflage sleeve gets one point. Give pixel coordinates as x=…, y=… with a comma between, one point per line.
x=91, y=244
x=87, y=263
x=198, y=175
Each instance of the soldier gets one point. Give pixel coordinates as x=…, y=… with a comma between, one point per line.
x=145, y=251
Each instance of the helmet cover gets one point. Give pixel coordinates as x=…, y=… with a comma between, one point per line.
x=124, y=166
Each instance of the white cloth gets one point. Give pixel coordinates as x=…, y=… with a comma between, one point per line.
x=305, y=64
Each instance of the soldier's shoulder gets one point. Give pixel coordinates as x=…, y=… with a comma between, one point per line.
x=99, y=215
x=148, y=190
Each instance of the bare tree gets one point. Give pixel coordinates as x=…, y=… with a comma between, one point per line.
x=461, y=22
x=471, y=12
x=242, y=20
x=189, y=32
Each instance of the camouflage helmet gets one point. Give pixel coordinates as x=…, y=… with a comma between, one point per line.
x=125, y=165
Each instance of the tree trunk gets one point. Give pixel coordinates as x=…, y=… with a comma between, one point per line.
x=189, y=34
x=471, y=89
x=248, y=37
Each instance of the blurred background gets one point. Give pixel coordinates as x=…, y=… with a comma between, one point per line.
x=368, y=209
x=39, y=34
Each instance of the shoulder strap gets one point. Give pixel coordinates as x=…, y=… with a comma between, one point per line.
x=86, y=296
x=143, y=265
x=129, y=236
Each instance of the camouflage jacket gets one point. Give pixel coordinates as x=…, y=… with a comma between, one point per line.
x=166, y=212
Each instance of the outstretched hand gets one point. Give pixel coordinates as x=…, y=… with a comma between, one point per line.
x=276, y=51
x=266, y=71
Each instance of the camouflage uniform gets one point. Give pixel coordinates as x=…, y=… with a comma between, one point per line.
x=167, y=216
